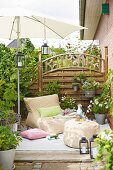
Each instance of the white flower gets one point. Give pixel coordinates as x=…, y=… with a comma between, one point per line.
x=105, y=136
x=89, y=106
x=96, y=101
x=109, y=137
x=106, y=107
x=91, y=101
x=100, y=105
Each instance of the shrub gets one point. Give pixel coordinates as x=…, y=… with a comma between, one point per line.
x=8, y=139
x=68, y=102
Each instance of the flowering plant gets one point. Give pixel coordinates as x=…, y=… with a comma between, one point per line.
x=68, y=102
x=99, y=105
x=105, y=148
x=90, y=84
x=8, y=117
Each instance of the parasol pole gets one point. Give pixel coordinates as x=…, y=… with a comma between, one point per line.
x=18, y=69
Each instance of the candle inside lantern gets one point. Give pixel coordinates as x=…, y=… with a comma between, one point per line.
x=94, y=152
x=83, y=149
x=19, y=64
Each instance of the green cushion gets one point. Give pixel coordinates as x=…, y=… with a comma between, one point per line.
x=50, y=111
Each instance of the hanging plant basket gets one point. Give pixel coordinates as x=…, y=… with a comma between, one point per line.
x=75, y=86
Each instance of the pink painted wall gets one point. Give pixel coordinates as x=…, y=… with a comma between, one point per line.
x=105, y=33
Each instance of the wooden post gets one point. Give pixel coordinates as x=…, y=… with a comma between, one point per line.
x=40, y=73
x=101, y=69
x=106, y=62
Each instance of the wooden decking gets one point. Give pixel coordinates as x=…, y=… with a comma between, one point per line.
x=44, y=150
x=33, y=155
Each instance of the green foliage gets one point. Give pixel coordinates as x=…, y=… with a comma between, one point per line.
x=64, y=63
x=105, y=148
x=99, y=105
x=106, y=93
x=8, y=117
x=76, y=79
x=90, y=84
x=56, y=51
x=68, y=102
x=8, y=78
x=103, y=103
x=82, y=76
x=29, y=72
x=8, y=73
x=93, y=50
x=8, y=139
x=52, y=88
x=79, y=79
x=107, y=84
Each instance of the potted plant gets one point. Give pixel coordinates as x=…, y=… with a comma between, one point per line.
x=9, y=118
x=68, y=102
x=82, y=77
x=89, y=87
x=106, y=91
x=76, y=83
x=99, y=106
x=9, y=140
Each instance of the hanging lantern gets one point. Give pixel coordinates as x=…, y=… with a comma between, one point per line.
x=45, y=49
x=83, y=146
x=20, y=60
x=93, y=147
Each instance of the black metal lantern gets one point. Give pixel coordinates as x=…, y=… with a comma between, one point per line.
x=20, y=60
x=45, y=49
x=84, y=146
x=93, y=147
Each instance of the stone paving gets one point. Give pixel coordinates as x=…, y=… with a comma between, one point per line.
x=58, y=166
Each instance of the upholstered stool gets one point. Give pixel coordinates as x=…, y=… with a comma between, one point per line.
x=75, y=130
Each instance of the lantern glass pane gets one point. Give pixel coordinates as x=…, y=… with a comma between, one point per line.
x=20, y=59
x=84, y=148
x=45, y=49
x=94, y=152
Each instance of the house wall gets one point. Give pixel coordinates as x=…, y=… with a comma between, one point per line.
x=105, y=34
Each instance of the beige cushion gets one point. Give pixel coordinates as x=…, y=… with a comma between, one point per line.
x=52, y=125
x=75, y=130
x=34, y=103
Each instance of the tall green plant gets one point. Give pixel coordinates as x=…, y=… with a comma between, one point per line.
x=8, y=73
x=8, y=78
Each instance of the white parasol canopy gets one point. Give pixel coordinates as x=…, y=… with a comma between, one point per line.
x=33, y=27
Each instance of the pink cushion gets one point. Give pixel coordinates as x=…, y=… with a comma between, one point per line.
x=34, y=134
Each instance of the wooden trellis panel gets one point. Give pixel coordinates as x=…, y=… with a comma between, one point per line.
x=64, y=67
